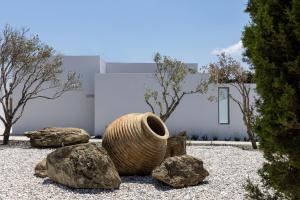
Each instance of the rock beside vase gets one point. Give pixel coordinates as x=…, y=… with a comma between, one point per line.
x=57, y=137
x=181, y=171
x=83, y=166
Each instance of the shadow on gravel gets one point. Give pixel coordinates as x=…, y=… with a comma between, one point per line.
x=78, y=191
x=164, y=187
x=160, y=186
x=137, y=179
x=146, y=180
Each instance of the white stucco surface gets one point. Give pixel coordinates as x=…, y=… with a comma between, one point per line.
x=118, y=94
x=110, y=90
x=112, y=67
x=73, y=109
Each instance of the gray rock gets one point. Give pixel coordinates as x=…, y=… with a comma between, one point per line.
x=40, y=169
x=83, y=166
x=180, y=171
x=57, y=137
x=176, y=145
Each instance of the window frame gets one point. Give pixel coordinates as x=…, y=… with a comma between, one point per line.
x=228, y=105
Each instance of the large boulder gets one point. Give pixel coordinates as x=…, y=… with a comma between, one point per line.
x=83, y=166
x=180, y=171
x=57, y=137
x=176, y=145
x=40, y=169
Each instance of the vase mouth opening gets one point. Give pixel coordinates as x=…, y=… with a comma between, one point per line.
x=156, y=126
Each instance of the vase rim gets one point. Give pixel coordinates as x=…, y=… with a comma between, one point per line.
x=155, y=125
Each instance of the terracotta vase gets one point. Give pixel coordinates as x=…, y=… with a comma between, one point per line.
x=136, y=143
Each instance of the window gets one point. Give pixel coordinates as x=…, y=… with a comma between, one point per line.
x=223, y=105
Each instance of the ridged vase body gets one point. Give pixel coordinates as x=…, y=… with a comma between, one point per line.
x=136, y=143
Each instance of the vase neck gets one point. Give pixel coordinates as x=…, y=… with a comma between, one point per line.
x=154, y=126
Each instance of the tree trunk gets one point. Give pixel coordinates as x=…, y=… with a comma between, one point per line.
x=249, y=132
x=6, y=134
x=252, y=138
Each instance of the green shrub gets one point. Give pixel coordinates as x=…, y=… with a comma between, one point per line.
x=204, y=138
x=272, y=47
x=254, y=192
x=195, y=137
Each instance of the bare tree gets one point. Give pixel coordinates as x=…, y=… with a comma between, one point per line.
x=31, y=68
x=229, y=71
x=170, y=75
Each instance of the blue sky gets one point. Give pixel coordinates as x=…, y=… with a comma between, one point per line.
x=133, y=30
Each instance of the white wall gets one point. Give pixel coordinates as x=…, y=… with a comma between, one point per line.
x=106, y=95
x=137, y=67
x=102, y=66
x=73, y=109
x=120, y=93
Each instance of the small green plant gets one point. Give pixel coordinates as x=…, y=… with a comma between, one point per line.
x=195, y=137
x=254, y=192
x=98, y=137
x=204, y=138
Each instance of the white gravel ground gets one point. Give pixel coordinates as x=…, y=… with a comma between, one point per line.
x=229, y=167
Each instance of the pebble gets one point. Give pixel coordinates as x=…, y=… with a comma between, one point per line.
x=229, y=167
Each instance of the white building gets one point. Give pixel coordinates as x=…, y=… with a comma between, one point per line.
x=110, y=90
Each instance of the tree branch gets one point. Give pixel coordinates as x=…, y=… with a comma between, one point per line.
x=150, y=105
